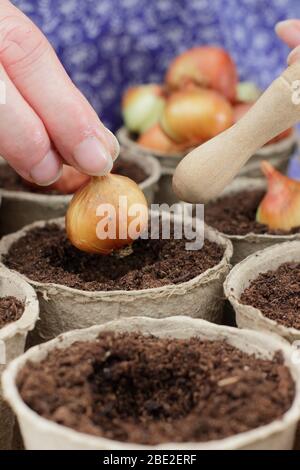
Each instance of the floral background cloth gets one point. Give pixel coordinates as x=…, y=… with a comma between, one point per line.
x=108, y=45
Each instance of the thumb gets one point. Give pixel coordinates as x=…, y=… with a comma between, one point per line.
x=289, y=32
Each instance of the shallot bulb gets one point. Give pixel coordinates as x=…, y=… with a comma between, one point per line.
x=280, y=208
x=106, y=214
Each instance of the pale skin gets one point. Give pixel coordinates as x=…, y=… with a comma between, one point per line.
x=46, y=121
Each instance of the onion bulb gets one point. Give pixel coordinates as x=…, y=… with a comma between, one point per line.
x=280, y=208
x=196, y=115
x=142, y=107
x=155, y=139
x=206, y=66
x=247, y=92
x=106, y=214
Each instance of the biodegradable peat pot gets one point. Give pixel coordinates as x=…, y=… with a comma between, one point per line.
x=20, y=208
x=277, y=154
x=13, y=337
x=63, y=308
x=165, y=160
x=42, y=434
x=245, y=245
x=168, y=163
x=248, y=316
x=165, y=193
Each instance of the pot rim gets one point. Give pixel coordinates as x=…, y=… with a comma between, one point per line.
x=261, y=258
x=278, y=147
x=125, y=139
x=269, y=149
x=153, y=178
x=124, y=295
x=46, y=198
x=31, y=306
x=242, y=183
x=258, y=340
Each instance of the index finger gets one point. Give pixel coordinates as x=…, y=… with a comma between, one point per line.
x=72, y=124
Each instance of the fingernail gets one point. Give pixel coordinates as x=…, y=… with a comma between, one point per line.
x=114, y=144
x=92, y=157
x=294, y=55
x=48, y=170
x=290, y=28
x=284, y=24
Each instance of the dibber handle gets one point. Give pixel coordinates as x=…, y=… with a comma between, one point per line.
x=204, y=172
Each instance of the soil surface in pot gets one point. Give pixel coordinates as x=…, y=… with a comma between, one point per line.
x=11, y=309
x=277, y=294
x=10, y=180
x=46, y=255
x=235, y=214
x=147, y=390
x=130, y=169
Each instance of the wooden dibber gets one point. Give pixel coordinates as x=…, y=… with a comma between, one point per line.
x=204, y=172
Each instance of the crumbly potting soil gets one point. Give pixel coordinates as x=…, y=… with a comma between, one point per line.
x=129, y=169
x=10, y=180
x=147, y=390
x=46, y=255
x=11, y=309
x=277, y=294
x=235, y=214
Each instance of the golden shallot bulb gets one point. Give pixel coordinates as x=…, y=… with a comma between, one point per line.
x=155, y=139
x=205, y=66
x=247, y=92
x=106, y=214
x=142, y=107
x=280, y=208
x=196, y=115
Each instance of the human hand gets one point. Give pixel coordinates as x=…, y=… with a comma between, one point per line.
x=46, y=121
x=289, y=32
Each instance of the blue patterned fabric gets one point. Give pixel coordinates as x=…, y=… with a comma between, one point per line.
x=107, y=45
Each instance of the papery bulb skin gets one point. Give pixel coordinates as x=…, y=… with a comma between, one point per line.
x=156, y=139
x=70, y=180
x=247, y=92
x=280, y=208
x=142, y=107
x=196, y=115
x=99, y=206
x=206, y=66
